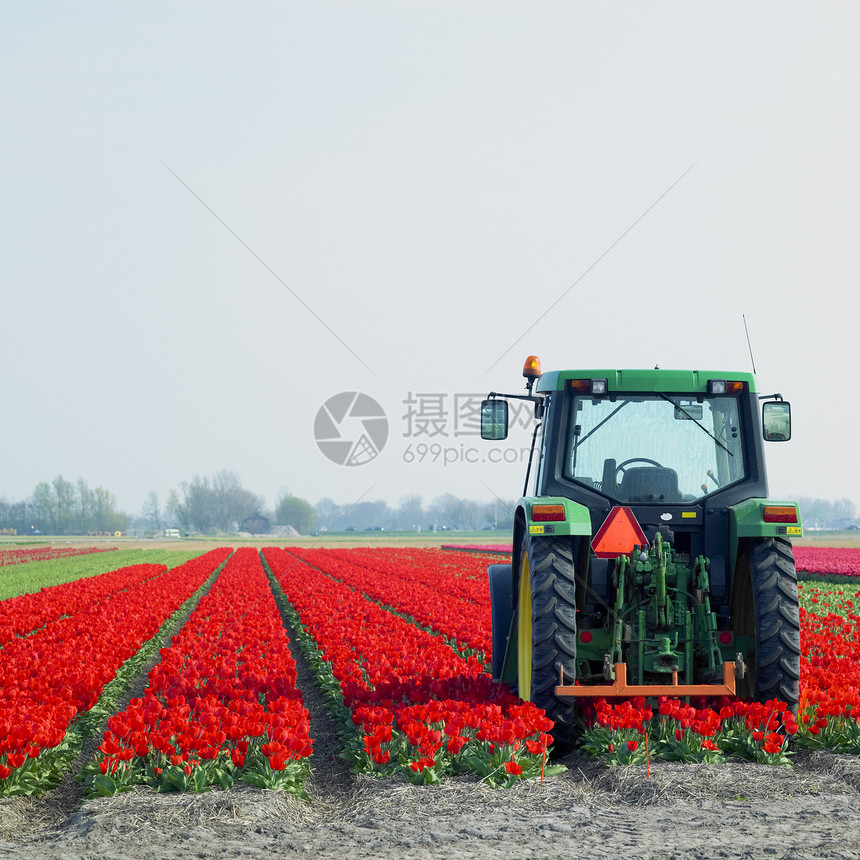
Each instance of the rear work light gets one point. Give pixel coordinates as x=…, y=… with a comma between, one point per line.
x=779, y=514
x=589, y=386
x=725, y=386
x=548, y=513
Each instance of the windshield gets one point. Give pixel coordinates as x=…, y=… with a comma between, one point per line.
x=654, y=448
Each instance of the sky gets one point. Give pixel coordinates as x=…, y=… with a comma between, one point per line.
x=217, y=217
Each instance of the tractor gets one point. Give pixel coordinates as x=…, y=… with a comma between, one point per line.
x=648, y=560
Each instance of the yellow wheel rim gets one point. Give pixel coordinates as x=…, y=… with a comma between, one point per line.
x=524, y=628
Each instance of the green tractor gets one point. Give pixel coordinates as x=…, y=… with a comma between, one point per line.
x=648, y=559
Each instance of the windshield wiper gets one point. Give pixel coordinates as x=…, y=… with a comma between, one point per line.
x=690, y=418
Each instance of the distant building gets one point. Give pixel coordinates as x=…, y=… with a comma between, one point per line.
x=255, y=525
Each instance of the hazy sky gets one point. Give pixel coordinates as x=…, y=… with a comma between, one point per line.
x=403, y=189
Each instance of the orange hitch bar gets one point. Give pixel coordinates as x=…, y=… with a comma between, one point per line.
x=620, y=687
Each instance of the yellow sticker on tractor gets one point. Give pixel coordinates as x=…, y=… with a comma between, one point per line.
x=793, y=530
x=535, y=530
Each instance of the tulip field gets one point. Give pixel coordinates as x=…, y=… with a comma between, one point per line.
x=42, y=553
x=179, y=674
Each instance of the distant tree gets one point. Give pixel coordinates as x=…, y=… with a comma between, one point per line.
x=455, y=513
x=43, y=509
x=15, y=516
x=410, y=514
x=499, y=514
x=296, y=512
x=105, y=517
x=328, y=513
x=64, y=496
x=226, y=486
x=825, y=513
x=151, y=511
x=233, y=503
x=245, y=506
x=84, y=507
x=63, y=508
x=199, y=501
x=366, y=515
x=178, y=510
x=19, y=513
x=219, y=503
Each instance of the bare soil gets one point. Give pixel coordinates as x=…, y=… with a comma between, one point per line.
x=680, y=811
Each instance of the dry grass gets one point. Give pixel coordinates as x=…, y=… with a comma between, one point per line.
x=346, y=809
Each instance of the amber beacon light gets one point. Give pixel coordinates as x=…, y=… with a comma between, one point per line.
x=531, y=369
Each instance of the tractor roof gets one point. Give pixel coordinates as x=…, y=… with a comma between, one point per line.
x=644, y=381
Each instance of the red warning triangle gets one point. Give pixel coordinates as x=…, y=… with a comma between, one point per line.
x=620, y=534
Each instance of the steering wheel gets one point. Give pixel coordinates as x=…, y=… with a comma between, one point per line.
x=621, y=466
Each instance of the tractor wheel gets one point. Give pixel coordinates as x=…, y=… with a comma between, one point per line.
x=546, y=623
x=765, y=607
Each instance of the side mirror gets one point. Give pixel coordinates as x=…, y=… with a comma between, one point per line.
x=494, y=420
x=776, y=420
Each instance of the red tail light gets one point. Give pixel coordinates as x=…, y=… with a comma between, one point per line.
x=779, y=514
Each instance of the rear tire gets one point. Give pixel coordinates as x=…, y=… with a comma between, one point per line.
x=547, y=629
x=765, y=607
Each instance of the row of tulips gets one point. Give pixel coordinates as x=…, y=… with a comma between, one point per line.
x=492, y=548
x=460, y=575
x=843, y=561
x=433, y=594
x=220, y=705
x=414, y=706
x=830, y=670
x=630, y=732
x=45, y=553
x=55, y=675
x=29, y=612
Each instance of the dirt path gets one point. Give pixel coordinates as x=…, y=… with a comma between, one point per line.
x=681, y=811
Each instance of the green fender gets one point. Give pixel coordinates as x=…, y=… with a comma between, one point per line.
x=746, y=520
x=577, y=518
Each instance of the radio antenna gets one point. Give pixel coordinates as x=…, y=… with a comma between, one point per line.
x=749, y=344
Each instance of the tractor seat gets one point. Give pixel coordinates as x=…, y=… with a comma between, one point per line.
x=649, y=484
